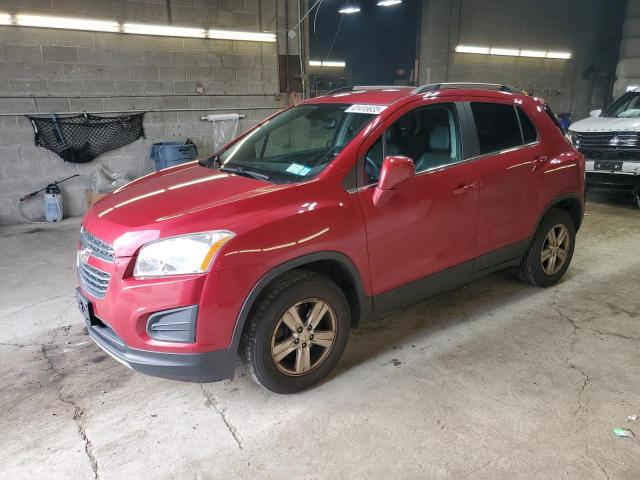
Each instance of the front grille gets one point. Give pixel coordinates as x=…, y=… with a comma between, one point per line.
x=95, y=246
x=609, y=145
x=94, y=281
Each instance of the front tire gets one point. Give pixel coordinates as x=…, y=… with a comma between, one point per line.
x=551, y=250
x=296, y=332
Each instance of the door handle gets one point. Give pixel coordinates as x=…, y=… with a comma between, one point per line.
x=465, y=188
x=539, y=160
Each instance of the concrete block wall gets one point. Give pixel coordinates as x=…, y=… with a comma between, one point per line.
x=589, y=29
x=47, y=70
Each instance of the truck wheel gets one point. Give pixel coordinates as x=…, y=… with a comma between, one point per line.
x=296, y=332
x=551, y=250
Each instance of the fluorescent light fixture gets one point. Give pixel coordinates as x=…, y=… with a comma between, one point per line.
x=468, y=49
x=68, y=23
x=505, y=51
x=564, y=55
x=631, y=88
x=388, y=3
x=247, y=36
x=163, y=30
x=72, y=23
x=334, y=64
x=512, y=52
x=349, y=10
x=533, y=53
x=328, y=63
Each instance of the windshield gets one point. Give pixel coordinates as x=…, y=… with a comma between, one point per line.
x=295, y=145
x=627, y=106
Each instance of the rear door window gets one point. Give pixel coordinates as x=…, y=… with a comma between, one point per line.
x=497, y=126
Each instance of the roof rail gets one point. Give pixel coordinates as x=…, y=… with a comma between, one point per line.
x=338, y=90
x=469, y=85
x=367, y=87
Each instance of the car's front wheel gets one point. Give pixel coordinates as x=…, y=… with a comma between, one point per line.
x=297, y=332
x=551, y=250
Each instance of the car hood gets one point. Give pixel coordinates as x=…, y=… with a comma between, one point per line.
x=176, y=201
x=606, y=124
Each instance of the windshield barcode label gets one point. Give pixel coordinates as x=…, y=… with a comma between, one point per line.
x=363, y=108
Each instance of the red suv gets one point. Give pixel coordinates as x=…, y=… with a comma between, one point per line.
x=330, y=212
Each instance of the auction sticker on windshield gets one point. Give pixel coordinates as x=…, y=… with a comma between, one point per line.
x=298, y=169
x=364, y=108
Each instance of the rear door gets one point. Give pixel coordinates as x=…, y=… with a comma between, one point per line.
x=509, y=152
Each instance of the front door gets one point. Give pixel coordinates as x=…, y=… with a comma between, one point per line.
x=427, y=224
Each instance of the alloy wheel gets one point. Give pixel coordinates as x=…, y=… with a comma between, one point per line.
x=555, y=249
x=303, y=337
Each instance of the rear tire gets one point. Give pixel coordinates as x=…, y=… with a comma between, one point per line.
x=551, y=250
x=297, y=332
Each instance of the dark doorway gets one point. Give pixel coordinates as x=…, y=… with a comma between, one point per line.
x=377, y=44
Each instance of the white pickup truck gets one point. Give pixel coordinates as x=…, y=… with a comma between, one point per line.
x=610, y=141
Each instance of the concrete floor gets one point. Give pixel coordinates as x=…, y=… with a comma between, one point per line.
x=493, y=380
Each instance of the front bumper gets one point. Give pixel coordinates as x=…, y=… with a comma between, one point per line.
x=186, y=367
x=613, y=181
x=627, y=178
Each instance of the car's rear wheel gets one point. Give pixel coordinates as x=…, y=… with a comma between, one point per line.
x=551, y=250
x=297, y=332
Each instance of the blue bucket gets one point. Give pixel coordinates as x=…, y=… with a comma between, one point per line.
x=168, y=154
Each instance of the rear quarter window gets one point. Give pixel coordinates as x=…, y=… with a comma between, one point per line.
x=497, y=126
x=529, y=133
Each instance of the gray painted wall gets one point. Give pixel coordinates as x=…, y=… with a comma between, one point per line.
x=589, y=29
x=628, y=71
x=78, y=71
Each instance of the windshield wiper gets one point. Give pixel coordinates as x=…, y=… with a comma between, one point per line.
x=246, y=173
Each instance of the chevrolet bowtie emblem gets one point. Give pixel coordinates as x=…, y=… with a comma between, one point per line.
x=83, y=255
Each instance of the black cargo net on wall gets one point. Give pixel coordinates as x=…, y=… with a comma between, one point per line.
x=81, y=138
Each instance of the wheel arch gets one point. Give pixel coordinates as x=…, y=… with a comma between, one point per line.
x=571, y=203
x=335, y=265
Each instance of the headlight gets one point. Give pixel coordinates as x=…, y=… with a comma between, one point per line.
x=573, y=138
x=193, y=253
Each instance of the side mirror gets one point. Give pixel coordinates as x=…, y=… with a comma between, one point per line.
x=394, y=171
x=595, y=113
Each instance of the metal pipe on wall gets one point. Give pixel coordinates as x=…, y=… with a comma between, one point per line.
x=80, y=97
x=152, y=110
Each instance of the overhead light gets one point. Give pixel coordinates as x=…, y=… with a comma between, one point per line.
x=334, y=64
x=565, y=55
x=388, y=3
x=163, y=30
x=328, y=63
x=468, y=49
x=349, y=10
x=631, y=88
x=67, y=23
x=511, y=52
x=74, y=23
x=533, y=53
x=505, y=51
x=247, y=36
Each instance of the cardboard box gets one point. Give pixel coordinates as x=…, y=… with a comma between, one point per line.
x=92, y=197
